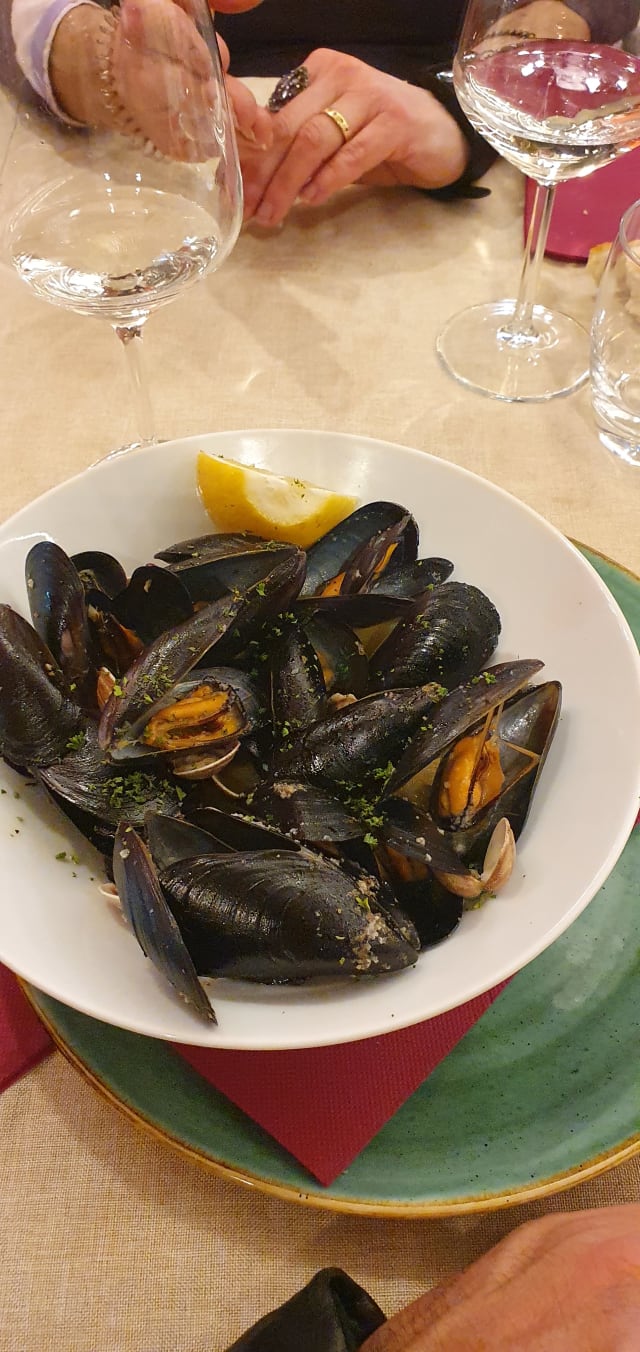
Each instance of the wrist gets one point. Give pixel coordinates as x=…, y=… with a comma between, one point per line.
x=79, y=64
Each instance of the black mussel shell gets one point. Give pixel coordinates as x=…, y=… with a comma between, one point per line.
x=241, y=564
x=359, y=611
x=360, y=741
x=208, y=548
x=267, y=598
x=451, y=635
x=151, y=920
x=37, y=715
x=171, y=839
x=297, y=690
x=152, y=601
x=86, y=779
x=349, y=548
x=414, y=838
x=344, y=663
x=434, y=912
x=412, y=579
x=237, y=831
x=307, y=812
x=58, y=610
x=100, y=572
x=275, y=918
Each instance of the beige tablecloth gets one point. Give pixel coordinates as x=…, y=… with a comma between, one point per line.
x=108, y=1242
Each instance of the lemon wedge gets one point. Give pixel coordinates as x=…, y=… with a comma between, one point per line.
x=241, y=497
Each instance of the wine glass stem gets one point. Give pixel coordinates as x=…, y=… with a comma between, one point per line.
x=131, y=339
x=522, y=327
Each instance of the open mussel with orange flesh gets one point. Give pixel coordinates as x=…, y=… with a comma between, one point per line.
x=490, y=761
x=149, y=685
x=470, y=777
x=352, y=555
x=412, y=848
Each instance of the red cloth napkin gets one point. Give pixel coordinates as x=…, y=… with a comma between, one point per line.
x=324, y=1104
x=587, y=211
x=23, y=1040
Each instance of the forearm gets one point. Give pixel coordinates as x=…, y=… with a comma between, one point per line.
x=34, y=26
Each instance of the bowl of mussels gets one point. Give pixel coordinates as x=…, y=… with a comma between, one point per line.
x=256, y=795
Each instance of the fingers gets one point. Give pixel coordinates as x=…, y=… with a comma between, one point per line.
x=359, y=156
x=319, y=140
x=252, y=122
x=161, y=70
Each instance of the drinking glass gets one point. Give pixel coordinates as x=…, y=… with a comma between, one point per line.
x=615, y=345
x=118, y=215
x=557, y=106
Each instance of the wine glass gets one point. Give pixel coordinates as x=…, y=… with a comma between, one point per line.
x=558, y=106
x=119, y=211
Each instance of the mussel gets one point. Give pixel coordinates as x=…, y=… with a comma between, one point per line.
x=268, y=916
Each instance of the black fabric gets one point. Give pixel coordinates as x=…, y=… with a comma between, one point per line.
x=395, y=34
x=331, y=1314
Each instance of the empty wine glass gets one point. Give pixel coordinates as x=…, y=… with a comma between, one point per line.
x=557, y=105
x=123, y=188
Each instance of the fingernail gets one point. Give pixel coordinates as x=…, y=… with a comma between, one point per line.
x=247, y=134
x=264, y=215
x=310, y=194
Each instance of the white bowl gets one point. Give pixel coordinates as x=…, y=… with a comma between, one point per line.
x=56, y=929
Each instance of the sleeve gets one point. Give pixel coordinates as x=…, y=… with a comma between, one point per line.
x=33, y=27
x=609, y=20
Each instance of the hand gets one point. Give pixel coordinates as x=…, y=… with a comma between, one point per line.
x=398, y=134
x=567, y=1283
x=147, y=71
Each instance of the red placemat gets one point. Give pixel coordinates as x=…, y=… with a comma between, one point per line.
x=23, y=1040
x=587, y=211
x=324, y=1104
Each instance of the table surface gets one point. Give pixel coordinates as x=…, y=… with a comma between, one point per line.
x=108, y=1241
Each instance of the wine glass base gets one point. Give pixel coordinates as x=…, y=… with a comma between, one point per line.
x=478, y=350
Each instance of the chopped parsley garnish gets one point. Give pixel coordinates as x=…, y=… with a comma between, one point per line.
x=76, y=742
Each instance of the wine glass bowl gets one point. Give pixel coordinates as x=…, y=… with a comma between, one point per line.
x=557, y=105
x=116, y=218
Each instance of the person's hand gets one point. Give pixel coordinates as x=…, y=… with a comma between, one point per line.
x=567, y=1283
x=397, y=134
x=145, y=70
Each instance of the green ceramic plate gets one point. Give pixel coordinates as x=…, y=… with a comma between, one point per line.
x=542, y=1093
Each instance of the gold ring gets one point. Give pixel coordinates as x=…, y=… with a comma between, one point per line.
x=340, y=121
